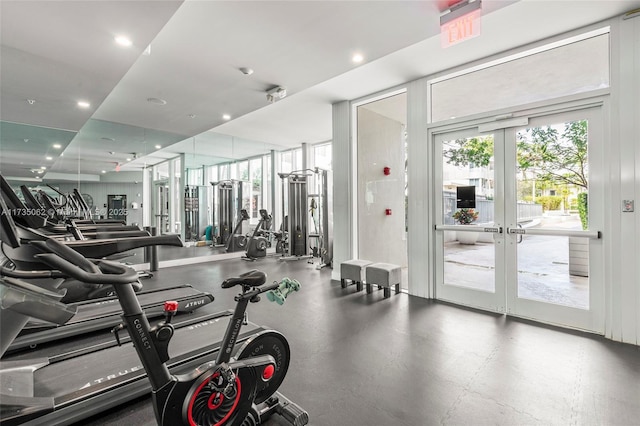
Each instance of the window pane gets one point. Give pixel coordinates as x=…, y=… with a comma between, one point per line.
x=255, y=167
x=468, y=177
x=297, y=164
x=243, y=170
x=552, y=183
x=573, y=68
x=224, y=172
x=287, y=163
x=322, y=156
x=211, y=175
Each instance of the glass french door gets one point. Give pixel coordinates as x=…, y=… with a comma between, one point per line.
x=518, y=208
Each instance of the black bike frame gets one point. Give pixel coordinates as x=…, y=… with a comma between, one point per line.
x=236, y=321
x=141, y=333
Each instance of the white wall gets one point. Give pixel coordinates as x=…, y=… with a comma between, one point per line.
x=381, y=237
x=622, y=270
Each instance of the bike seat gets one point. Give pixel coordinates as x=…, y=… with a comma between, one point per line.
x=253, y=278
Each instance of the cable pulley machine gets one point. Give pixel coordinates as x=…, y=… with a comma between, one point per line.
x=308, y=223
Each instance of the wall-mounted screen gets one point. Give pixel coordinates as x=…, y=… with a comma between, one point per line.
x=466, y=197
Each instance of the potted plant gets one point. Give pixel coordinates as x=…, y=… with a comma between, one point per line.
x=466, y=217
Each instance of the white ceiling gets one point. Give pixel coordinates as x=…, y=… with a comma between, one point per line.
x=59, y=52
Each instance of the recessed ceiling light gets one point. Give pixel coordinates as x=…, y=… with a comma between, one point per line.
x=123, y=41
x=104, y=138
x=57, y=146
x=157, y=101
x=31, y=101
x=357, y=58
x=43, y=168
x=83, y=104
x=246, y=71
x=226, y=117
x=191, y=116
x=158, y=146
x=104, y=171
x=49, y=158
x=128, y=159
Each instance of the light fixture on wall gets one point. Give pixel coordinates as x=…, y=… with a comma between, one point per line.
x=276, y=93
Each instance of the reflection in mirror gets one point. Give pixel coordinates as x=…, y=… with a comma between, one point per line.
x=211, y=157
x=167, y=188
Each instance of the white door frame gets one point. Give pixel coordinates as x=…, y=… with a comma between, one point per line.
x=505, y=297
x=488, y=300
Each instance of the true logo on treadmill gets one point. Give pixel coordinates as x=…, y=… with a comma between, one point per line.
x=120, y=373
x=202, y=324
x=194, y=303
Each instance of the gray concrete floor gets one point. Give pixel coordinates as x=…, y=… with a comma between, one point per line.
x=543, y=270
x=360, y=359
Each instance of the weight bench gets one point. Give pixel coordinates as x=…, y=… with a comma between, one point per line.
x=383, y=275
x=352, y=270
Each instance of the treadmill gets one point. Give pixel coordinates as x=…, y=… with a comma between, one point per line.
x=104, y=313
x=94, y=314
x=68, y=387
x=89, y=230
x=95, y=248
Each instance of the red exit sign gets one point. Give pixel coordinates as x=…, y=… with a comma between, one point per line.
x=461, y=23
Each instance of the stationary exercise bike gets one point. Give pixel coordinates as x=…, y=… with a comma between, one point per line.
x=258, y=242
x=222, y=392
x=237, y=240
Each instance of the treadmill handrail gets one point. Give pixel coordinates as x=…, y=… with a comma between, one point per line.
x=104, y=247
x=30, y=275
x=70, y=262
x=107, y=247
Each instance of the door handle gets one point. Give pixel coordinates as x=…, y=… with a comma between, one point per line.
x=519, y=230
x=492, y=229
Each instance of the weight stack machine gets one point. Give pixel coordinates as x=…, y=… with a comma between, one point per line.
x=191, y=217
x=308, y=223
x=226, y=211
x=197, y=211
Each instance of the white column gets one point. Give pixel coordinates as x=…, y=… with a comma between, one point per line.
x=419, y=170
x=343, y=198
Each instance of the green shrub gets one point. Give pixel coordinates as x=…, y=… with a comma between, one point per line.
x=583, y=209
x=549, y=202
